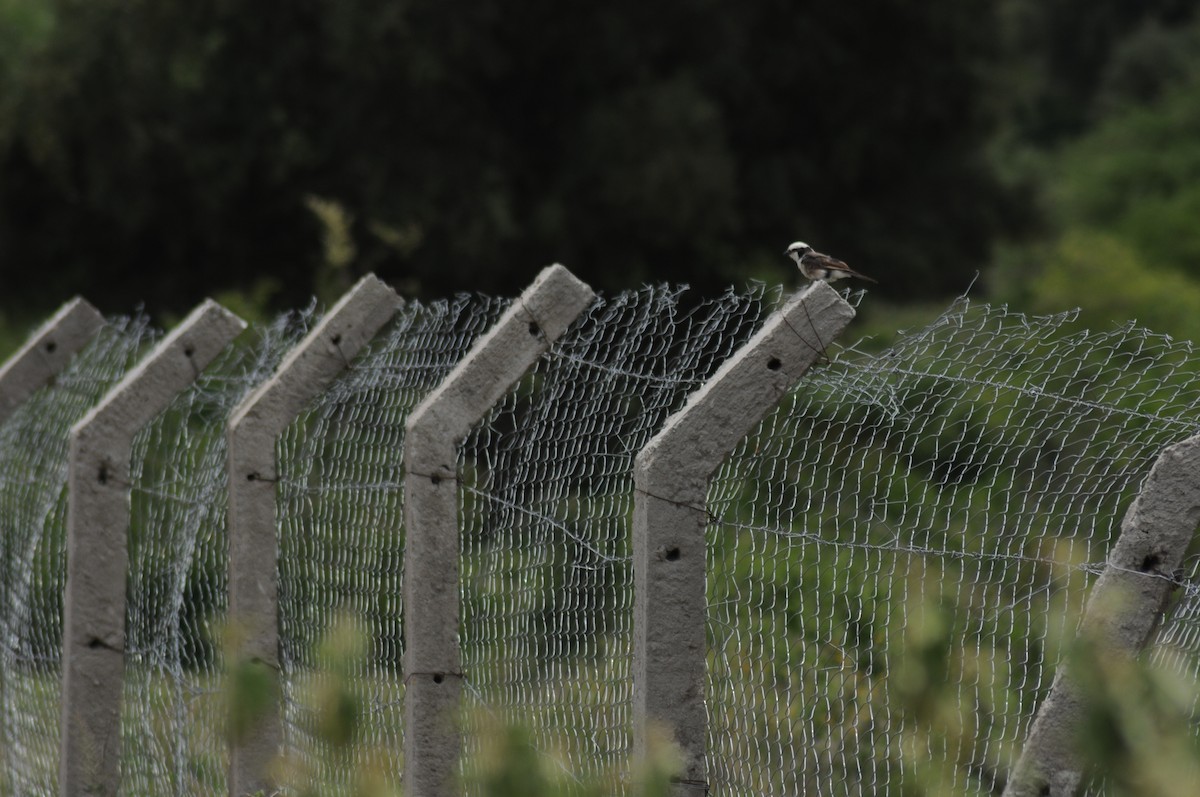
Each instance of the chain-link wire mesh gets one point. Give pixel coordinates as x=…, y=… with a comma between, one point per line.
x=546, y=504
x=892, y=554
x=342, y=542
x=546, y=494
x=173, y=738
x=34, y=444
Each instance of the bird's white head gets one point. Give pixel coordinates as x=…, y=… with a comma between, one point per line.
x=798, y=250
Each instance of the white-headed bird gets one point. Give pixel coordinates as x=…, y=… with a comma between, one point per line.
x=817, y=266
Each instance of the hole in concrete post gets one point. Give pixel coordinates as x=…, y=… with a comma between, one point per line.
x=51, y=346
x=94, y=643
x=1151, y=562
x=436, y=480
x=437, y=678
x=534, y=329
x=251, y=477
x=337, y=338
x=102, y=476
x=189, y=350
x=774, y=364
x=673, y=554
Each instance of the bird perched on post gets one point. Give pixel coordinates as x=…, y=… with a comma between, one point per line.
x=817, y=266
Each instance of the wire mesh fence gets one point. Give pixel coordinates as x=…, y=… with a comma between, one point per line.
x=173, y=726
x=33, y=507
x=545, y=491
x=342, y=540
x=891, y=553
x=547, y=494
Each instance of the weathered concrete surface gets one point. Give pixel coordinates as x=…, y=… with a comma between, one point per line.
x=97, y=545
x=671, y=476
x=254, y=427
x=432, y=667
x=1121, y=615
x=47, y=352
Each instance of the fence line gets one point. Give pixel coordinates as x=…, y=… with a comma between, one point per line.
x=98, y=544
x=671, y=477
x=492, y=464
x=545, y=504
x=1123, y=611
x=254, y=428
x=435, y=430
x=34, y=452
x=47, y=352
x=918, y=497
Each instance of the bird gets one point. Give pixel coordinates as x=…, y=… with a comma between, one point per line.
x=817, y=266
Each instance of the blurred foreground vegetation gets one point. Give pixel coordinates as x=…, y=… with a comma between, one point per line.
x=1137, y=739
x=507, y=761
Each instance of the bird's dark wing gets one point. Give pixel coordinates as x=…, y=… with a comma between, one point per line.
x=820, y=260
x=825, y=261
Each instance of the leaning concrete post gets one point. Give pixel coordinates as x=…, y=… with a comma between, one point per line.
x=47, y=352
x=1121, y=615
x=671, y=476
x=98, y=479
x=254, y=428
x=432, y=670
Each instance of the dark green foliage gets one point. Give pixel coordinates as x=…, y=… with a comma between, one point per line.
x=1121, y=198
x=1137, y=731
x=1119, y=203
x=163, y=151
x=1069, y=57
x=1135, y=177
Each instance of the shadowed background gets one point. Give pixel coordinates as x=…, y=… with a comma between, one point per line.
x=157, y=152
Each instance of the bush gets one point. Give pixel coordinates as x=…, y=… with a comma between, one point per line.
x=1112, y=282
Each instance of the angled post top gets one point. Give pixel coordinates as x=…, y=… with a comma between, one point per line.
x=696, y=439
x=149, y=387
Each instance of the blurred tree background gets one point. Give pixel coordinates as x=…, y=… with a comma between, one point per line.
x=158, y=152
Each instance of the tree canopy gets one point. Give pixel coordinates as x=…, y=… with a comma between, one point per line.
x=162, y=150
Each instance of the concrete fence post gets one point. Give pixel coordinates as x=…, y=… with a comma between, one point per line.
x=254, y=427
x=98, y=480
x=671, y=477
x=1121, y=615
x=47, y=352
x=432, y=668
